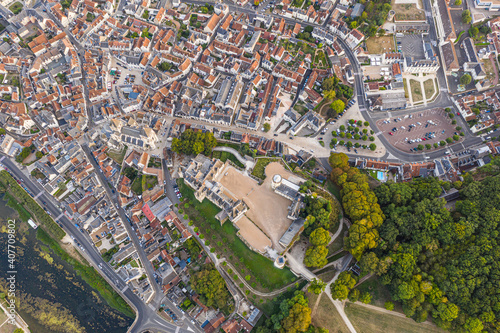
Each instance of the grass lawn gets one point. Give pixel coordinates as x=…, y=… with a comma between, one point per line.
x=227, y=144
x=326, y=315
x=16, y=8
x=429, y=88
x=380, y=292
x=416, y=91
x=259, y=168
x=333, y=189
x=148, y=182
x=13, y=203
x=38, y=174
x=224, y=156
x=271, y=305
x=1, y=75
x=327, y=275
x=226, y=242
x=367, y=320
x=137, y=186
x=337, y=256
x=405, y=86
x=134, y=263
x=338, y=243
x=117, y=156
x=300, y=109
x=379, y=45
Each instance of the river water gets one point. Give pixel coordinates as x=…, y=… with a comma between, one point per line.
x=52, y=297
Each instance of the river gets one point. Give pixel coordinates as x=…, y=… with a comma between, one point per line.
x=52, y=297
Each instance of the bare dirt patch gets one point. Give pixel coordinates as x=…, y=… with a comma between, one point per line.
x=408, y=12
x=266, y=209
x=379, y=45
x=253, y=235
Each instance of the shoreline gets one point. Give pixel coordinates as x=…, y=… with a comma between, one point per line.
x=84, y=270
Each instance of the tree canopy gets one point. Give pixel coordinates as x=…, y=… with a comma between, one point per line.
x=316, y=287
x=360, y=204
x=319, y=236
x=439, y=262
x=194, y=143
x=211, y=287
x=343, y=285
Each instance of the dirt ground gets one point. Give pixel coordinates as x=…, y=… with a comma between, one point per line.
x=379, y=45
x=399, y=140
x=253, y=235
x=266, y=209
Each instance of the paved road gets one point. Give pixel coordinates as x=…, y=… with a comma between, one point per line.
x=158, y=296
x=393, y=154
x=146, y=318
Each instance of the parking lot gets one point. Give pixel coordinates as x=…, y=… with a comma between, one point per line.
x=126, y=76
x=411, y=45
x=420, y=128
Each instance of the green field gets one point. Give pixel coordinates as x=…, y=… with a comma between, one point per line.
x=326, y=315
x=338, y=243
x=148, y=182
x=137, y=186
x=367, y=320
x=28, y=205
x=117, y=156
x=260, y=167
x=333, y=189
x=226, y=242
x=224, y=156
x=416, y=91
x=16, y=8
x=12, y=203
x=379, y=291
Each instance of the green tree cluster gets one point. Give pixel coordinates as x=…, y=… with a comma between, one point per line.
x=442, y=264
x=211, y=287
x=318, y=213
x=24, y=153
x=316, y=287
x=194, y=142
x=9, y=184
x=294, y=316
x=336, y=92
x=343, y=285
x=360, y=204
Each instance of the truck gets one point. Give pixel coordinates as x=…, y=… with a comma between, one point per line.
x=109, y=86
